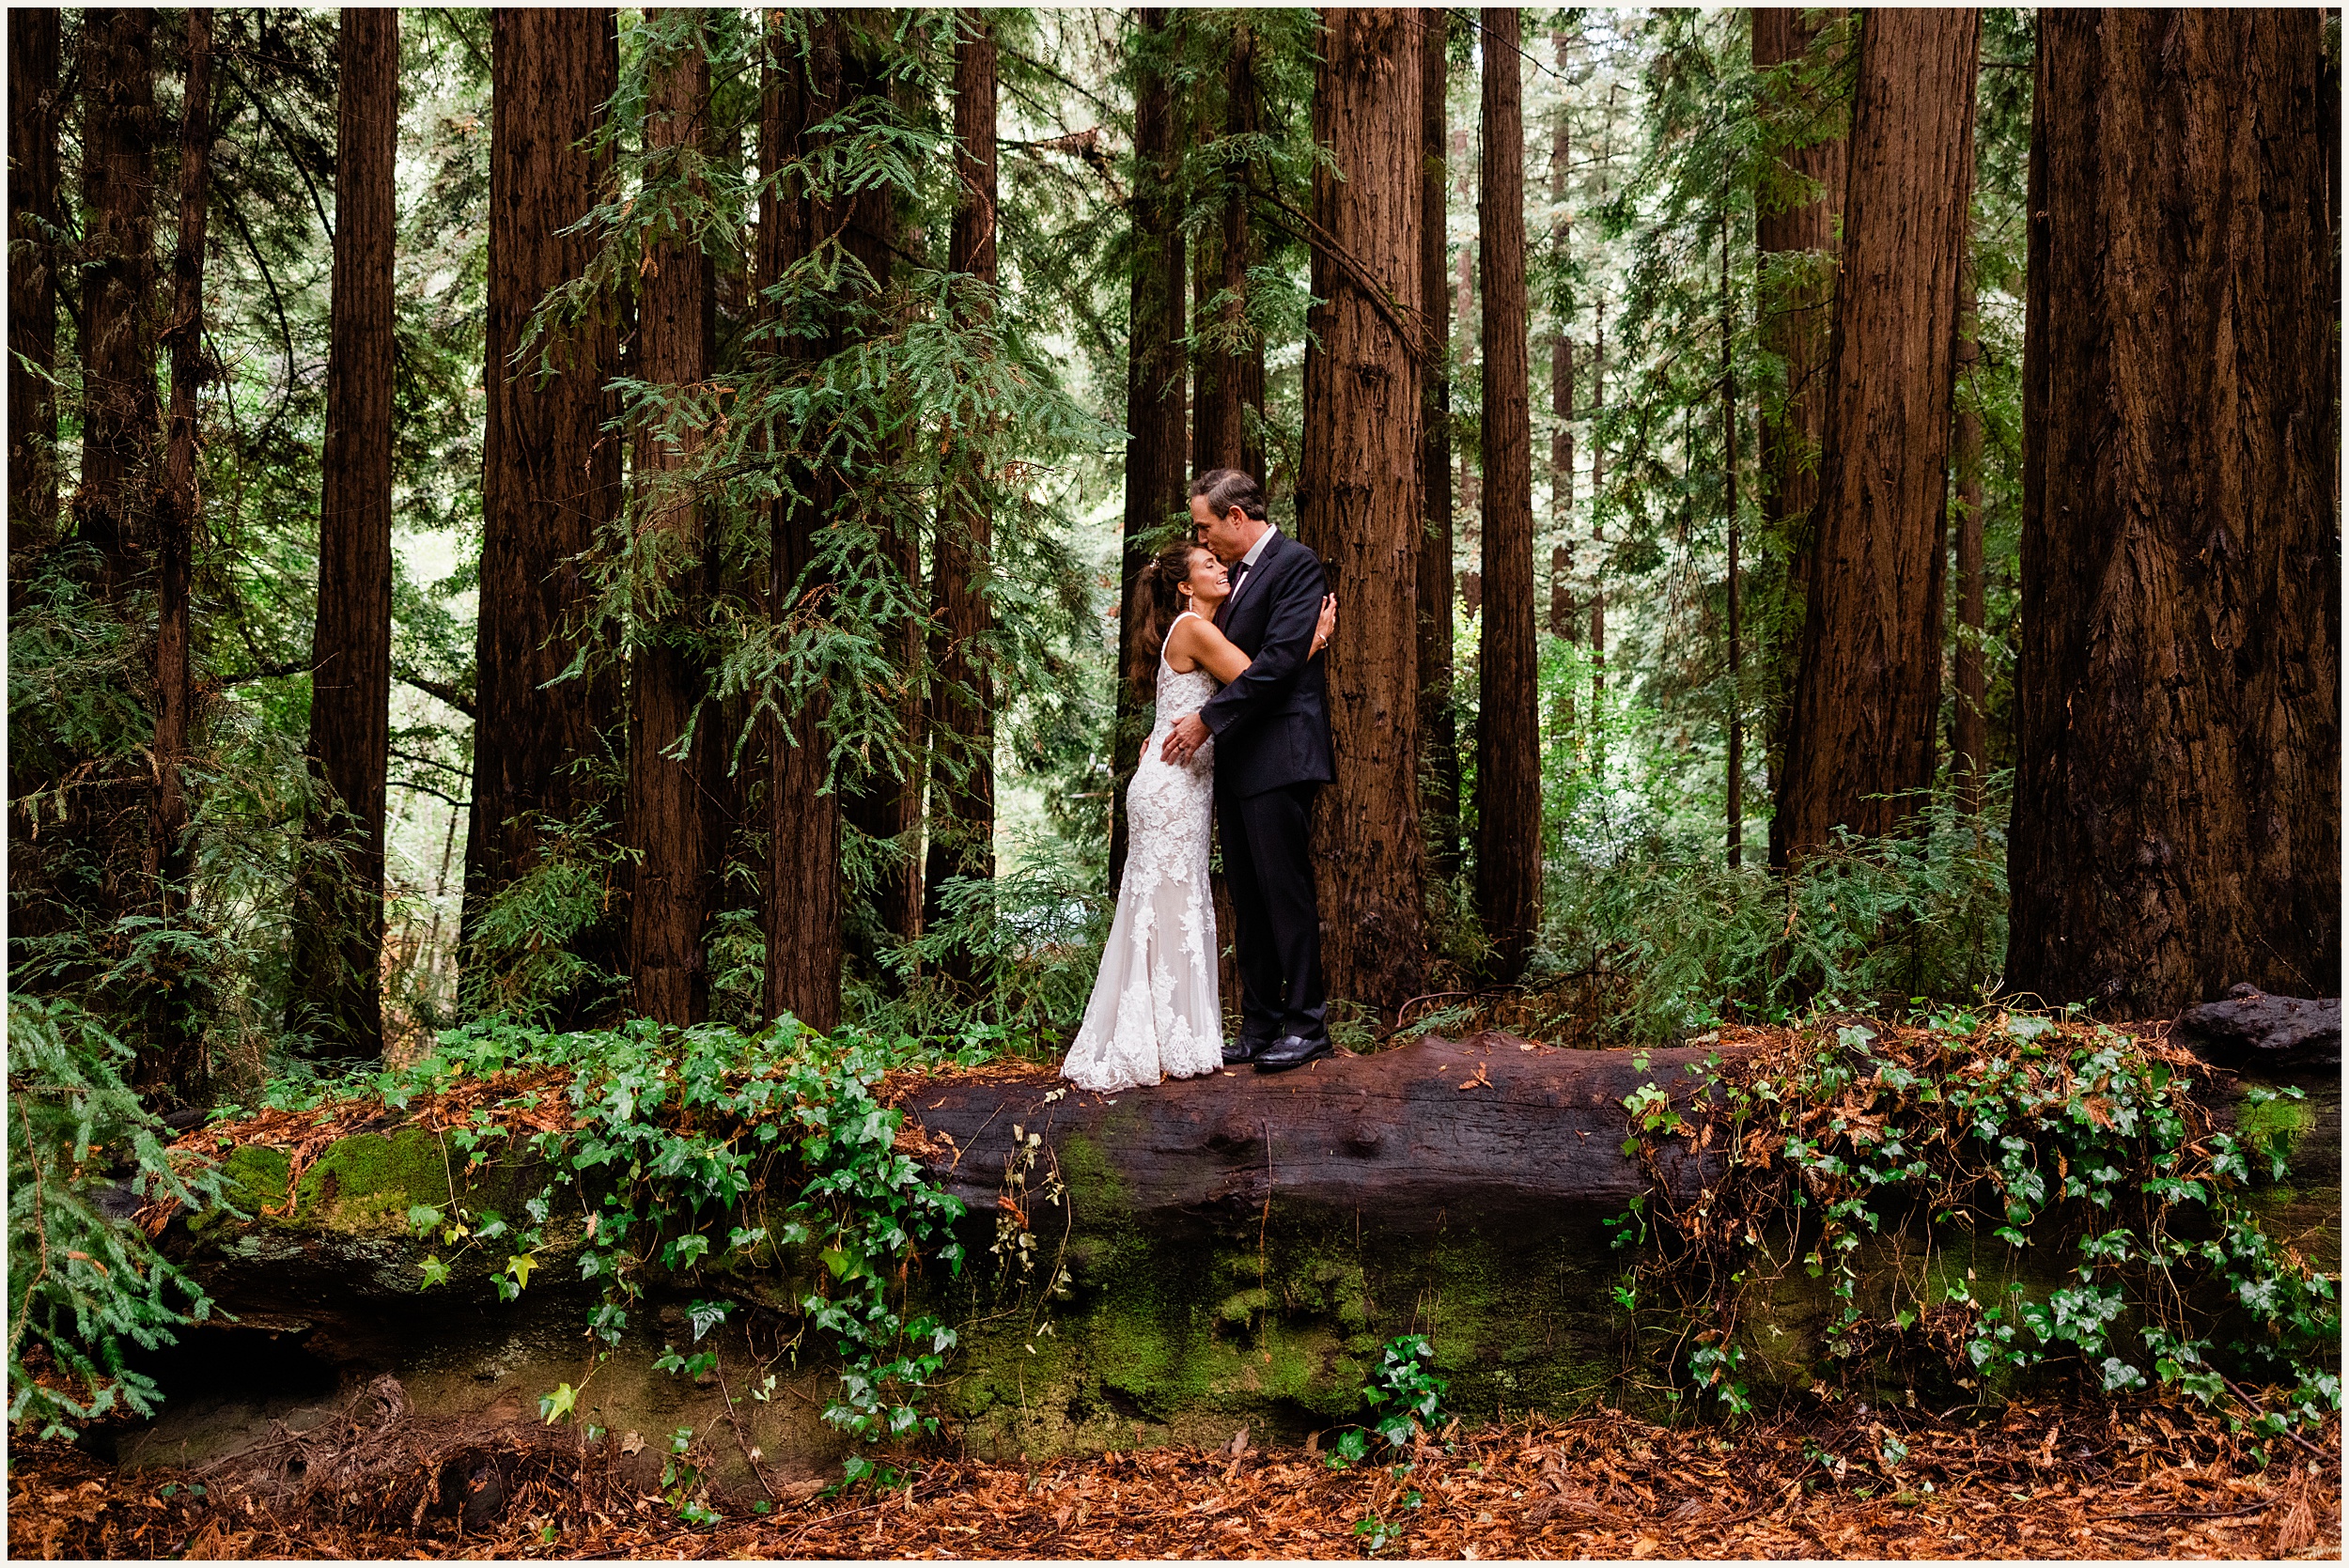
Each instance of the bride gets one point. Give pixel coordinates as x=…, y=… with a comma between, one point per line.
x=1156, y=1008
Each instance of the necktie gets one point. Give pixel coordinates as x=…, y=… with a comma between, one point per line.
x=1240, y=575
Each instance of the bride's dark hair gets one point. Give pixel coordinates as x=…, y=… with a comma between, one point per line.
x=1166, y=575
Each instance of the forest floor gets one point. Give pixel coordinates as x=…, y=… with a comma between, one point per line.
x=2043, y=1479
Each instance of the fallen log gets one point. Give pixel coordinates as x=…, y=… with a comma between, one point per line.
x=1490, y=1131
x=2250, y=1030
x=1172, y=1264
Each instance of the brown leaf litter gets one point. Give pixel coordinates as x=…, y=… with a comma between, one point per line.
x=2037, y=1480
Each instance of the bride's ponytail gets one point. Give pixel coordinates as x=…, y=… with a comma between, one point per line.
x=1165, y=577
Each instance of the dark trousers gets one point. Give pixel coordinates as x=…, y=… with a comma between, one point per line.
x=1268, y=861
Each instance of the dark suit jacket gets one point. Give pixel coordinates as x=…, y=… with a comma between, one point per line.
x=1272, y=726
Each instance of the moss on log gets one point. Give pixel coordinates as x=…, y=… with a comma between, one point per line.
x=1170, y=1263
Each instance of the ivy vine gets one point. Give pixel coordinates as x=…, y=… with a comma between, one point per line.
x=2033, y=1131
x=665, y=1155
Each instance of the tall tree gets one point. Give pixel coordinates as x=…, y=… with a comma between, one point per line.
x=801, y=896
x=1796, y=228
x=1439, y=740
x=1560, y=356
x=669, y=818
x=1508, y=672
x=885, y=801
x=1359, y=494
x=1733, y=778
x=1231, y=372
x=174, y=1060
x=118, y=318
x=549, y=474
x=340, y=929
x=962, y=829
x=1867, y=691
x=1969, y=730
x=2177, y=812
x=34, y=221
x=1155, y=402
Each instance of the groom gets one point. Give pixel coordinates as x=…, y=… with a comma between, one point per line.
x=1271, y=728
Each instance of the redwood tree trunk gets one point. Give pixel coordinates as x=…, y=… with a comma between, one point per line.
x=174, y=1058
x=2177, y=812
x=1560, y=361
x=801, y=897
x=1439, y=733
x=885, y=804
x=1156, y=436
x=1796, y=215
x=670, y=797
x=1232, y=382
x=1508, y=730
x=1359, y=497
x=962, y=824
x=118, y=404
x=550, y=474
x=33, y=215
x=1869, y=689
x=340, y=914
x=1969, y=733
x=1734, y=774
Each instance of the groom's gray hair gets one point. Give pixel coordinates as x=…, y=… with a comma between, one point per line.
x=1227, y=488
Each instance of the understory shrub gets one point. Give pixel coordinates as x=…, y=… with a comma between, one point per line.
x=1690, y=941
x=671, y=1132
x=1863, y=1150
x=83, y=1285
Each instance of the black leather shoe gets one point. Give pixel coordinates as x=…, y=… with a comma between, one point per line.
x=1236, y=1052
x=1290, y=1050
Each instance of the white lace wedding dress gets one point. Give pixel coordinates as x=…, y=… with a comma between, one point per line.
x=1156, y=1010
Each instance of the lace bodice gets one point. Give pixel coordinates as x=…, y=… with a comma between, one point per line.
x=1156, y=1009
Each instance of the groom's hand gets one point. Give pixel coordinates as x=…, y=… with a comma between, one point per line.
x=1184, y=740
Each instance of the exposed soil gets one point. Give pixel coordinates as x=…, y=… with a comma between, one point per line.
x=2040, y=1481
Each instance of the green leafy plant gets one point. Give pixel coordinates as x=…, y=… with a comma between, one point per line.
x=83, y=1284
x=677, y=1135
x=2036, y=1131
x=1403, y=1396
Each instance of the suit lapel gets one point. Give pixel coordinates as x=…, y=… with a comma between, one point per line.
x=1263, y=563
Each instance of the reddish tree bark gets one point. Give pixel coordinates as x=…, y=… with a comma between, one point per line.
x=885, y=804
x=1561, y=365
x=802, y=892
x=118, y=403
x=549, y=476
x=2177, y=812
x=1508, y=729
x=1869, y=688
x=1969, y=730
x=962, y=824
x=1797, y=212
x=1230, y=378
x=173, y=1060
x=1155, y=439
x=670, y=815
x=34, y=216
x=339, y=932
x=1359, y=495
x=1439, y=732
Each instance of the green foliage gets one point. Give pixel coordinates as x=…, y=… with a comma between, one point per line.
x=1683, y=940
x=529, y=950
x=676, y=1130
x=2031, y=1133
x=1405, y=1398
x=84, y=1284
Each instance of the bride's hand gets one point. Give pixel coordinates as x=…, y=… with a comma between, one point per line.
x=1328, y=623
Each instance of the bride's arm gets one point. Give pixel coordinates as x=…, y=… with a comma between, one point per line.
x=1197, y=639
